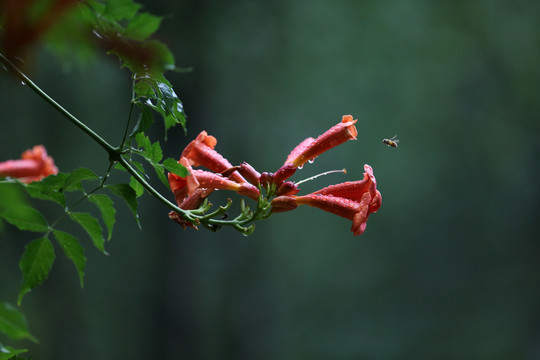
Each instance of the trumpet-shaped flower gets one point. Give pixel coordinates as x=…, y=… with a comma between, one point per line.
x=200, y=152
x=185, y=186
x=311, y=148
x=353, y=200
x=192, y=202
x=34, y=165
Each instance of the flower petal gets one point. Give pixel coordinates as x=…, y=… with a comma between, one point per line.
x=336, y=135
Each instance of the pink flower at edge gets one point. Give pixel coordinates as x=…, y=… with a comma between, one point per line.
x=34, y=165
x=353, y=200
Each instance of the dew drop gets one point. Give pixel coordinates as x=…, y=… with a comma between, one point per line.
x=23, y=83
x=300, y=167
x=311, y=161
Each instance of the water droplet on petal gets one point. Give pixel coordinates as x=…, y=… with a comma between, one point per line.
x=300, y=167
x=311, y=161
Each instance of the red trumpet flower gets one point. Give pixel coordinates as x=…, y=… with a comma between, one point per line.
x=200, y=152
x=185, y=186
x=353, y=200
x=310, y=148
x=34, y=165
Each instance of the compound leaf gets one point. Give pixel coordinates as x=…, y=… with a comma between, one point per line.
x=91, y=225
x=25, y=218
x=73, y=250
x=108, y=212
x=13, y=323
x=127, y=193
x=74, y=178
x=35, y=264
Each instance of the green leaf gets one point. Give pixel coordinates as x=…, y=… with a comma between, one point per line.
x=51, y=182
x=25, y=218
x=142, y=26
x=108, y=212
x=35, y=264
x=73, y=250
x=48, y=189
x=9, y=353
x=139, y=189
x=13, y=323
x=160, y=172
x=175, y=167
x=127, y=193
x=144, y=143
x=74, y=178
x=120, y=9
x=156, y=154
x=161, y=98
x=145, y=119
x=92, y=227
x=38, y=191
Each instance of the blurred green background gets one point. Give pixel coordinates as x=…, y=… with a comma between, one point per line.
x=449, y=268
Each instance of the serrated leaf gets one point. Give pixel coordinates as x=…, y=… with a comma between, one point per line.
x=145, y=119
x=74, y=178
x=156, y=154
x=73, y=250
x=127, y=193
x=48, y=189
x=162, y=99
x=25, y=218
x=40, y=192
x=142, y=26
x=175, y=167
x=91, y=225
x=35, y=264
x=51, y=182
x=9, y=353
x=120, y=9
x=13, y=323
x=160, y=172
x=143, y=142
x=108, y=212
x=139, y=189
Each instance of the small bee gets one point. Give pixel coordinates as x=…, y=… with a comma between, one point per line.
x=391, y=142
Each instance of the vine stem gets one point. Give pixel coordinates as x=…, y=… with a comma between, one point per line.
x=115, y=153
x=104, y=144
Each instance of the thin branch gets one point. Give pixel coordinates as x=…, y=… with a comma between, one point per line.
x=104, y=144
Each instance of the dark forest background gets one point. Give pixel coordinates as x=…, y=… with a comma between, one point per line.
x=449, y=268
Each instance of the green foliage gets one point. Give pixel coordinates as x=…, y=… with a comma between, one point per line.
x=156, y=93
x=74, y=179
x=13, y=323
x=108, y=212
x=48, y=189
x=91, y=225
x=35, y=264
x=73, y=250
x=9, y=353
x=25, y=218
x=129, y=195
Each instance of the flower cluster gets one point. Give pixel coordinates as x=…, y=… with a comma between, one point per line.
x=34, y=165
x=354, y=200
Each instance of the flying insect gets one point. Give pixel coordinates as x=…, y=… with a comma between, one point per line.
x=391, y=142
